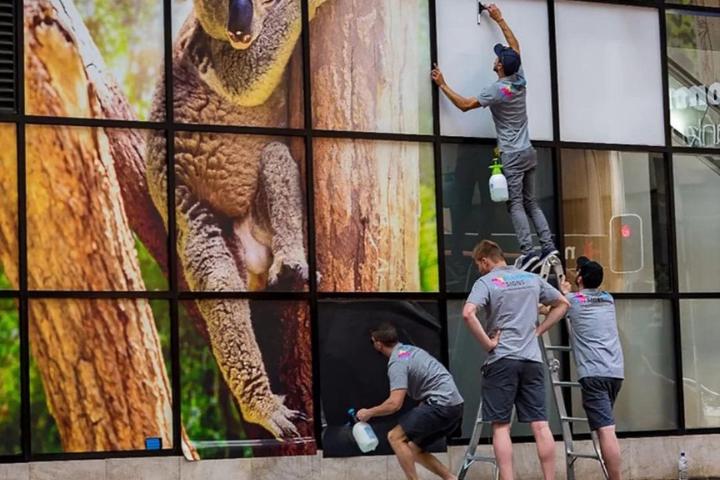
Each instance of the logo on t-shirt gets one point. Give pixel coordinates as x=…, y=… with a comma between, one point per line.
x=403, y=354
x=584, y=299
x=507, y=91
x=509, y=281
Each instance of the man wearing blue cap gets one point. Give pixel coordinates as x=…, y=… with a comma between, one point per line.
x=507, y=101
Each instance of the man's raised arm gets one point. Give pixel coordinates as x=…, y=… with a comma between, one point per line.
x=496, y=15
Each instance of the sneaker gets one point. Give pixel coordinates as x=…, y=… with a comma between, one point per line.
x=545, y=254
x=527, y=261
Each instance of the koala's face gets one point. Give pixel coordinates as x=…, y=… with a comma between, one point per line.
x=238, y=22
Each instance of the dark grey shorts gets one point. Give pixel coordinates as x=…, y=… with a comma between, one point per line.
x=425, y=424
x=507, y=382
x=598, y=396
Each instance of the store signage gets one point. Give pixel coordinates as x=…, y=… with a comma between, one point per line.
x=697, y=97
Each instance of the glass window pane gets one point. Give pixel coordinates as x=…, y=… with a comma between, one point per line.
x=375, y=216
x=470, y=216
x=240, y=212
x=8, y=208
x=239, y=63
x=354, y=375
x=647, y=400
x=91, y=221
x=615, y=210
x=466, y=359
x=697, y=213
x=370, y=66
x=466, y=58
x=107, y=389
x=9, y=378
x=700, y=338
x=604, y=97
x=95, y=59
x=700, y=3
x=694, y=75
x=246, y=365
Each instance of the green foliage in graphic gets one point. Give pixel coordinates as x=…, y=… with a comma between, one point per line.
x=43, y=431
x=681, y=31
x=4, y=282
x=428, y=258
x=208, y=409
x=152, y=274
x=129, y=35
x=9, y=378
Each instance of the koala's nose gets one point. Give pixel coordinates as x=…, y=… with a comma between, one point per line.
x=239, y=37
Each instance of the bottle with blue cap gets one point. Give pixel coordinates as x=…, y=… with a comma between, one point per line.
x=363, y=434
x=498, y=182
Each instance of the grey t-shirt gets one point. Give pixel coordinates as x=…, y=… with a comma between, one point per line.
x=507, y=99
x=510, y=299
x=425, y=379
x=595, y=338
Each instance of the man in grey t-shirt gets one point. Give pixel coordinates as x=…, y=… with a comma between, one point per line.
x=507, y=100
x=598, y=355
x=415, y=373
x=513, y=373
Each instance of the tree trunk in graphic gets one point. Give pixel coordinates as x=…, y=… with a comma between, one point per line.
x=367, y=200
x=100, y=360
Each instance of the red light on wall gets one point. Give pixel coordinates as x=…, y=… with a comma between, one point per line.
x=626, y=231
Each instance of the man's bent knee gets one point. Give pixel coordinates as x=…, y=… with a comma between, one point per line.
x=396, y=435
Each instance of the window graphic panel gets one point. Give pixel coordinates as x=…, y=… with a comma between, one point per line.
x=375, y=216
x=370, y=66
x=95, y=59
x=246, y=373
x=238, y=63
x=107, y=389
x=466, y=57
x=604, y=97
x=93, y=219
x=354, y=375
x=8, y=208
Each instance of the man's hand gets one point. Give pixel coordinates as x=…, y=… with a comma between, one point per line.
x=363, y=415
x=437, y=76
x=494, y=340
x=565, y=287
x=495, y=13
x=543, y=309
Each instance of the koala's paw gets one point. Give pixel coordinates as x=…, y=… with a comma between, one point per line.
x=280, y=422
x=285, y=267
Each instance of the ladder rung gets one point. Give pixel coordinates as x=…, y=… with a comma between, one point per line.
x=559, y=348
x=593, y=456
x=480, y=458
x=573, y=419
x=567, y=384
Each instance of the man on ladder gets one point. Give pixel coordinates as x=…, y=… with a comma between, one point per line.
x=598, y=356
x=507, y=100
x=513, y=374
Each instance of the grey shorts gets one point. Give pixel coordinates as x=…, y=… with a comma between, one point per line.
x=598, y=396
x=425, y=424
x=507, y=382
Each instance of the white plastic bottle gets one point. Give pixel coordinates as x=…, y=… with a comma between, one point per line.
x=363, y=434
x=498, y=184
x=683, y=467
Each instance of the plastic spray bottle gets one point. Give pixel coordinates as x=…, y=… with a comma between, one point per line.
x=363, y=434
x=498, y=182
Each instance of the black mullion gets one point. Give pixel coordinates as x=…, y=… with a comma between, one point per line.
x=310, y=219
x=23, y=314
x=626, y=3
x=671, y=232
x=619, y=147
x=169, y=127
x=439, y=218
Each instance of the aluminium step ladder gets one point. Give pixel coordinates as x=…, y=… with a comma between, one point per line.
x=551, y=355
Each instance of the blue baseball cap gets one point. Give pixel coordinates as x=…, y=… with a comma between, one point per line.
x=509, y=58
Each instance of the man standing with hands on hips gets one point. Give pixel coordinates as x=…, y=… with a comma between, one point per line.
x=507, y=100
x=514, y=372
